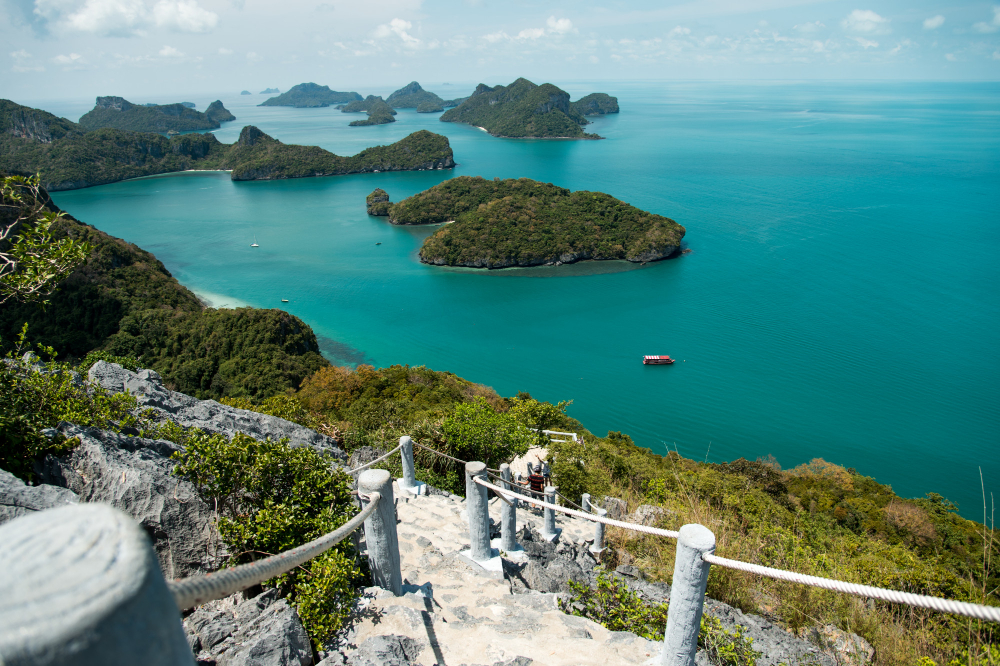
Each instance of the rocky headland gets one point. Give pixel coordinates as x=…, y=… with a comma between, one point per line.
x=119, y=113
x=378, y=202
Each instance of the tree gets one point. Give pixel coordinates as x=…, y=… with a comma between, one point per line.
x=538, y=416
x=478, y=432
x=32, y=262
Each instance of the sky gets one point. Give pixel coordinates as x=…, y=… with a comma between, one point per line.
x=61, y=49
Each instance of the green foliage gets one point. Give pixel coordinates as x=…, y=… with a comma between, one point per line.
x=596, y=104
x=244, y=352
x=117, y=113
x=524, y=222
x=477, y=431
x=614, y=606
x=32, y=261
x=430, y=107
x=271, y=498
x=127, y=362
x=617, y=608
x=310, y=95
x=35, y=398
x=379, y=113
x=364, y=106
x=726, y=648
x=521, y=109
x=286, y=407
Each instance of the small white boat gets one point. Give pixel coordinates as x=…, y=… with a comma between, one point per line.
x=254, y=244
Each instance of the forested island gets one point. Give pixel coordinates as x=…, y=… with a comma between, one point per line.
x=67, y=156
x=119, y=113
x=310, y=95
x=521, y=110
x=412, y=96
x=596, y=104
x=379, y=113
x=522, y=222
x=363, y=105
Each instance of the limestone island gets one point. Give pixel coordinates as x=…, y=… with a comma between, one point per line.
x=269, y=91
x=67, y=156
x=411, y=96
x=310, y=95
x=245, y=92
x=379, y=113
x=363, y=105
x=119, y=113
x=378, y=202
x=521, y=110
x=522, y=222
x=596, y=104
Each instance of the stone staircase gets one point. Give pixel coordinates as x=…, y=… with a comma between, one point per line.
x=456, y=613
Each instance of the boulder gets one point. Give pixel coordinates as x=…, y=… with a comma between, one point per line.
x=616, y=507
x=18, y=498
x=262, y=631
x=207, y=415
x=135, y=475
x=388, y=650
x=648, y=515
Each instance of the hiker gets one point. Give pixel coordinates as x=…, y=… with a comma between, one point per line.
x=536, y=483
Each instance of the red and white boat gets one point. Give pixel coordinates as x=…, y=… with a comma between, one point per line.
x=657, y=360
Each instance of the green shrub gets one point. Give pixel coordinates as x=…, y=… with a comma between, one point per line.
x=33, y=400
x=127, y=362
x=272, y=497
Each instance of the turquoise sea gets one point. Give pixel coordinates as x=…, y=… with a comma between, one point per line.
x=841, y=298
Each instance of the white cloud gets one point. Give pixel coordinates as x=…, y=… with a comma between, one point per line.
x=866, y=43
x=531, y=33
x=950, y=57
x=125, y=18
x=23, y=62
x=184, y=16
x=225, y=51
x=495, y=37
x=594, y=59
x=253, y=57
x=810, y=27
x=992, y=26
x=71, y=59
x=400, y=28
x=996, y=55
x=170, y=52
x=866, y=22
x=560, y=26
x=679, y=32
x=934, y=22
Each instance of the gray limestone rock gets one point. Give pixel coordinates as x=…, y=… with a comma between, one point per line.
x=388, y=650
x=18, y=498
x=207, y=415
x=262, y=631
x=648, y=514
x=616, y=507
x=134, y=475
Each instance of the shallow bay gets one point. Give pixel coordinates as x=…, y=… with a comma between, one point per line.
x=840, y=299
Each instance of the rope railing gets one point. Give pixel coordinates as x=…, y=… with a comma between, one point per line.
x=580, y=514
x=196, y=590
x=377, y=460
x=977, y=611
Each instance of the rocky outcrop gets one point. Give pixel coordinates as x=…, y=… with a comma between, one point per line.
x=216, y=111
x=207, y=415
x=262, y=631
x=391, y=650
x=18, y=498
x=135, y=475
x=378, y=202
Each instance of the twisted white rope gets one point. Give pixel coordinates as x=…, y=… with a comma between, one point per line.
x=580, y=514
x=978, y=611
x=367, y=465
x=196, y=590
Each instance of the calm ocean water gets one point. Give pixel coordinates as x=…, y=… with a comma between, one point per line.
x=840, y=301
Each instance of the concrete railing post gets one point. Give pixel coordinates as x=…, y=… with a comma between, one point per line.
x=687, y=596
x=598, y=546
x=549, y=522
x=81, y=585
x=479, y=512
x=508, y=515
x=585, y=501
x=409, y=479
x=380, y=531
